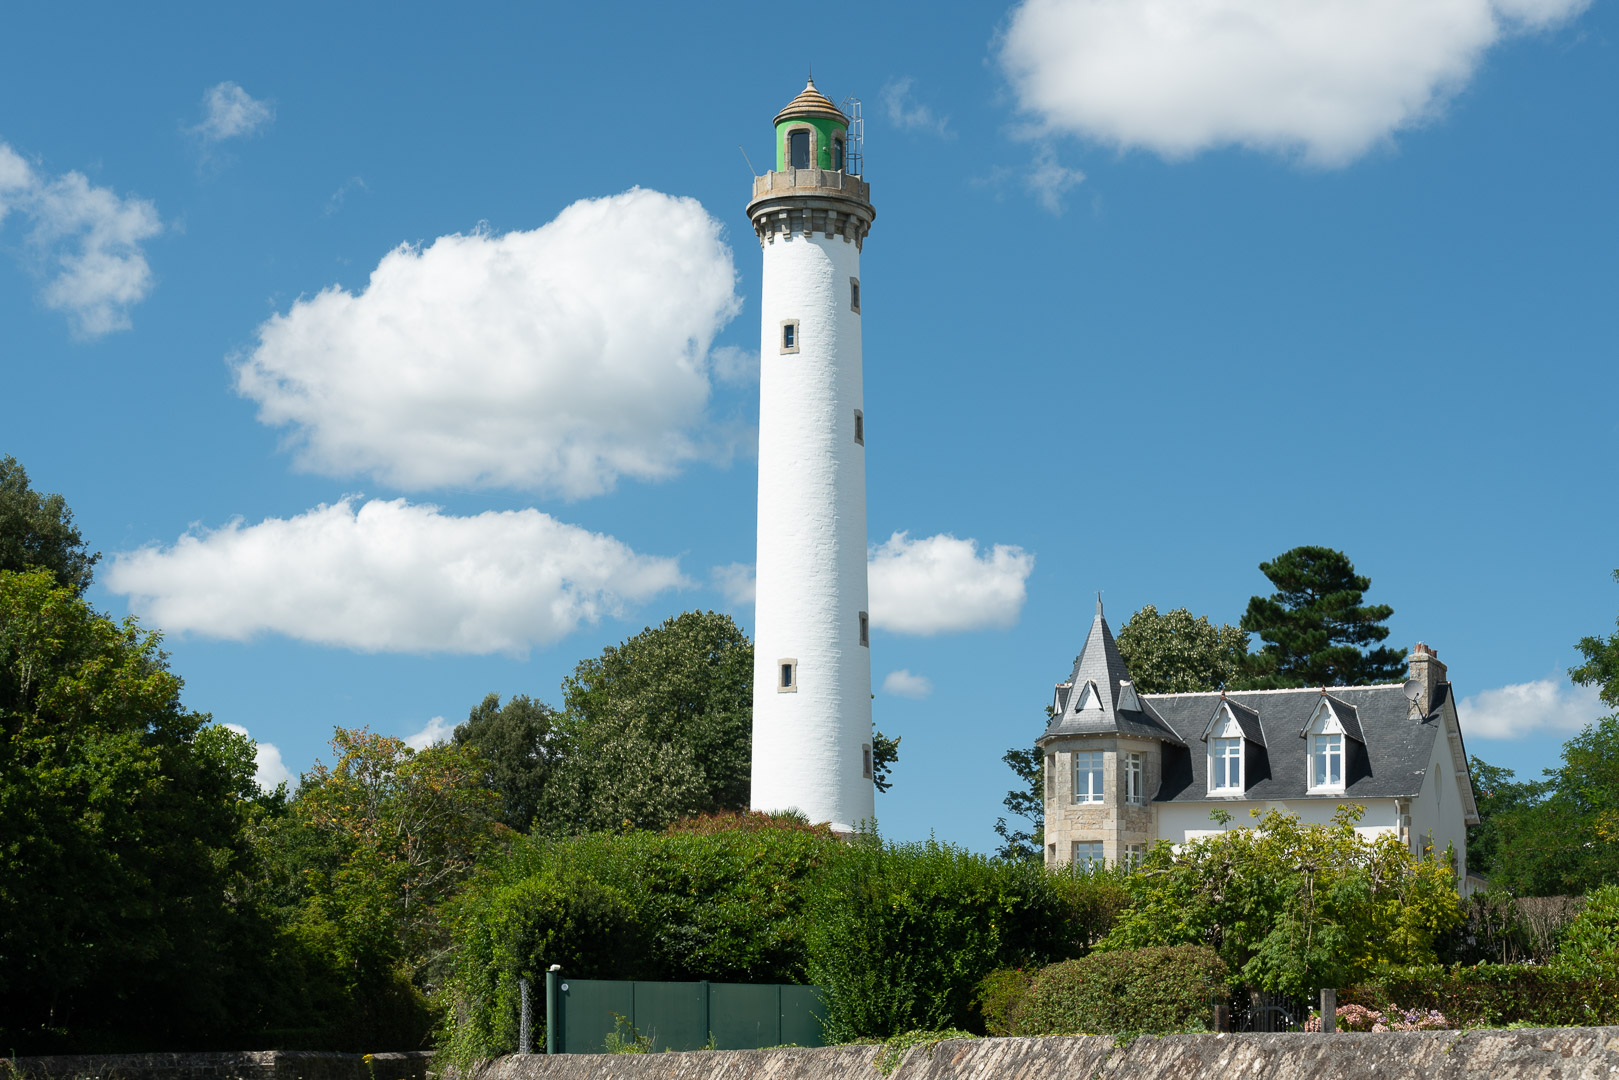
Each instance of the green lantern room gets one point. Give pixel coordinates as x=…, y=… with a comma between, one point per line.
x=811, y=132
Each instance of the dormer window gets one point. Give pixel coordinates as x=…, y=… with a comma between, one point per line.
x=1225, y=758
x=1327, y=734
x=1088, y=698
x=1232, y=732
x=1327, y=761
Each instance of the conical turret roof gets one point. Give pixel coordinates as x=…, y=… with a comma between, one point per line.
x=1093, y=705
x=811, y=102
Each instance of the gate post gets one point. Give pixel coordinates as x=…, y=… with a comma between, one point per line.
x=555, y=1043
x=1259, y=1017
x=1329, y=1011
x=525, y=1019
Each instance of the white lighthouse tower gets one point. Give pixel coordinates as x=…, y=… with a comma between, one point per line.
x=812, y=675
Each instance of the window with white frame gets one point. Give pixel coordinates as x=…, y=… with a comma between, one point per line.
x=1134, y=775
x=1327, y=761
x=1326, y=749
x=1225, y=757
x=789, y=335
x=1134, y=854
x=787, y=676
x=1088, y=854
x=1088, y=776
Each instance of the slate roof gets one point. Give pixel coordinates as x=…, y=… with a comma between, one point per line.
x=1386, y=755
x=1389, y=758
x=1099, y=663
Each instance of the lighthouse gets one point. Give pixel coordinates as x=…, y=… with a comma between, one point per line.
x=812, y=734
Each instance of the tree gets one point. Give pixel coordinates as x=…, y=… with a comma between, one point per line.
x=1292, y=907
x=364, y=859
x=659, y=727
x=1498, y=796
x=1315, y=630
x=1178, y=653
x=37, y=531
x=122, y=920
x=884, y=756
x=1601, y=667
x=1026, y=802
x=521, y=746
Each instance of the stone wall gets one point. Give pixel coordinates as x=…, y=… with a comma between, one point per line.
x=1540, y=1053
x=244, y=1065
x=1524, y=1054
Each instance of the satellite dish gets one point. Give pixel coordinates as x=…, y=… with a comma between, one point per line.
x=1413, y=689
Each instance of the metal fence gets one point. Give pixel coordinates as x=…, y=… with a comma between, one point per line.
x=580, y=1014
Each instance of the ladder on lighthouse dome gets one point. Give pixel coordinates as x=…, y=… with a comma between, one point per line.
x=854, y=156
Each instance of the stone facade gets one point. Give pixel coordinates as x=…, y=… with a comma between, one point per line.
x=1116, y=822
x=1527, y=1054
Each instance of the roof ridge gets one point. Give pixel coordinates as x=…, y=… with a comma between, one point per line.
x=1278, y=690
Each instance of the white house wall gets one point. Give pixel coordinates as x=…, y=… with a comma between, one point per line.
x=1437, y=817
x=1180, y=822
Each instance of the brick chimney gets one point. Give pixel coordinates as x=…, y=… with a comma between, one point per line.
x=1429, y=675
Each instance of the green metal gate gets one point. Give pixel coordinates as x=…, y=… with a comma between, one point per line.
x=581, y=1013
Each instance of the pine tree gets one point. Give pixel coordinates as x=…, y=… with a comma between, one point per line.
x=1315, y=629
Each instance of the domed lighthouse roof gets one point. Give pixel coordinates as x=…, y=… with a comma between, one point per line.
x=810, y=102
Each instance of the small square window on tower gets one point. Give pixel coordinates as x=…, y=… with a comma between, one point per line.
x=865, y=760
x=789, y=335
x=787, y=676
x=865, y=629
x=860, y=427
x=854, y=295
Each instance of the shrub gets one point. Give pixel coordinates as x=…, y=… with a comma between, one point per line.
x=1292, y=907
x=901, y=934
x=703, y=903
x=1167, y=988
x=1493, y=995
x=1000, y=999
x=1593, y=934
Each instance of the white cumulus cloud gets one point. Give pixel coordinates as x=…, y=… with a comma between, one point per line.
x=941, y=584
x=905, y=112
x=272, y=771
x=228, y=111
x=438, y=730
x=735, y=582
x=84, y=242
x=555, y=360
x=1327, y=79
x=390, y=577
x=1545, y=705
x=902, y=683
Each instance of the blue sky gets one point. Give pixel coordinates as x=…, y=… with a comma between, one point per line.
x=1156, y=291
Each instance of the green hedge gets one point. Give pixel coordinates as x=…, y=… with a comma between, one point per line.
x=901, y=934
x=710, y=902
x=1493, y=995
x=1160, y=989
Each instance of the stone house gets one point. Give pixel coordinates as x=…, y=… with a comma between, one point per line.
x=1124, y=770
